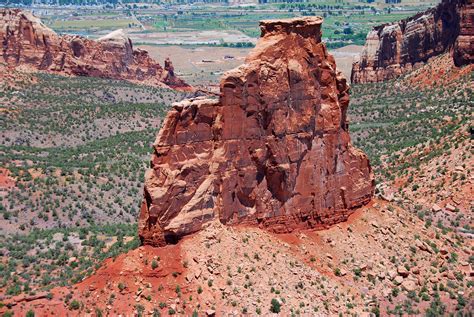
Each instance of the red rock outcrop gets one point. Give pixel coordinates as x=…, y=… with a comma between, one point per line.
x=396, y=48
x=464, y=46
x=26, y=42
x=273, y=150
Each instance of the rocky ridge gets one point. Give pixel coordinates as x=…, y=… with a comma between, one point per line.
x=273, y=150
x=28, y=44
x=397, y=48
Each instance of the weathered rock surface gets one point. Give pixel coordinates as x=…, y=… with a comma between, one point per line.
x=28, y=43
x=396, y=48
x=464, y=46
x=273, y=150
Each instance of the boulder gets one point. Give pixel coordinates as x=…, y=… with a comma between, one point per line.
x=402, y=271
x=451, y=208
x=436, y=208
x=398, y=280
x=409, y=285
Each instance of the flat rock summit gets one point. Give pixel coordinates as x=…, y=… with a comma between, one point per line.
x=28, y=43
x=272, y=151
x=396, y=48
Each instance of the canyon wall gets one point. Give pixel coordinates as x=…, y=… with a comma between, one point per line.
x=29, y=44
x=396, y=48
x=272, y=151
x=463, y=53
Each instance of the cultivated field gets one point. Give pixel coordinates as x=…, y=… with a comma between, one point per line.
x=345, y=22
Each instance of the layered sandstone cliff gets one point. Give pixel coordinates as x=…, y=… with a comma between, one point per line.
x=273, y=150
x=396, y=48
x=463, y=52
x=28, y=43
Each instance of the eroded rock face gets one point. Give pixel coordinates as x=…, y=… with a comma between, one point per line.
x=396, y=48
x=464, y=46
x=26, y=42
x=273, y=150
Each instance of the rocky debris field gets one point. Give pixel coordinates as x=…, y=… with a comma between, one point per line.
x=440, y=189
x=383, y=260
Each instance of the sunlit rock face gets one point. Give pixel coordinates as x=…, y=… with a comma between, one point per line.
x=28, y=43
x=396, y=48
x=272, y=151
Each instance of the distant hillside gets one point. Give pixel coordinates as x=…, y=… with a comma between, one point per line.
x=396, y=48
x=28, y=44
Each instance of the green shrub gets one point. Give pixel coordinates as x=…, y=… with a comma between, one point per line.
x=275, y=306
x=74, y=305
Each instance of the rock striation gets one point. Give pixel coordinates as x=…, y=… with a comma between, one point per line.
x=272, y=151
x=396, y=48
x=28, y=43
x=464, y=46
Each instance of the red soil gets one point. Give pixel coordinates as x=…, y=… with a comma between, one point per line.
x=133, y=270
x=440, y=71
x=6, y=181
